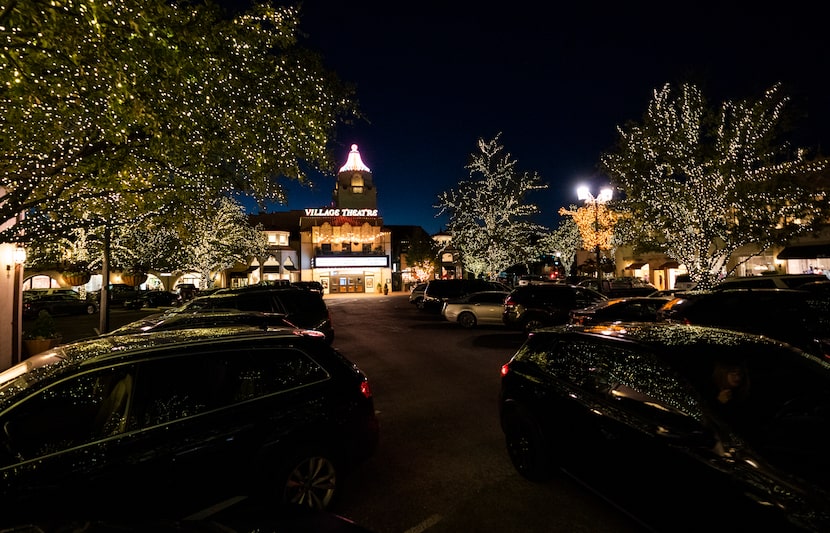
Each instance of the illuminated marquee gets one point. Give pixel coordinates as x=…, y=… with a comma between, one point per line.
x=341, y=212
x=350, y=261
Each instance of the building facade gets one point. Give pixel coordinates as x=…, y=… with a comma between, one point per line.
x=344, y=246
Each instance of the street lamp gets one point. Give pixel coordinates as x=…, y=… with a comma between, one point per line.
x=19, y=257
x=605, y=194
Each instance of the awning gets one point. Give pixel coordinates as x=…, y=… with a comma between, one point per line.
x=635, y=266
x=805, y=251
x=271, y=269
x=669, y=264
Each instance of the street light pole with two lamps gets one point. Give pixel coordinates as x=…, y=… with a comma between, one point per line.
x=605, y=195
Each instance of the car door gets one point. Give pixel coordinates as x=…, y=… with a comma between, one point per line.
x=201, y=422
x=58, y=442
x=653, y=440
x=488, y=307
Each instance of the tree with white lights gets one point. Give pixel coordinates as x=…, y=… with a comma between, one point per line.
x=489, y=214
x=220, y=240
x=113, y=109
x=700, y=183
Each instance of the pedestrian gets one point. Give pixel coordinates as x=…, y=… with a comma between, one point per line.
x=385, y=288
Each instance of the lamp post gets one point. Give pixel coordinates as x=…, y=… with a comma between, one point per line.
x=19, y=258
x=583, y=193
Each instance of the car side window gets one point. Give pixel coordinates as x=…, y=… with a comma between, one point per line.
x=261, y=372
x=633, y=378
x=70, y=413
x=178, y=387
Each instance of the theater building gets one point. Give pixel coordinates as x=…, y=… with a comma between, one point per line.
x=344, y=246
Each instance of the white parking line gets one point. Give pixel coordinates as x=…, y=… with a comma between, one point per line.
x=426, y=524
x=213, y=509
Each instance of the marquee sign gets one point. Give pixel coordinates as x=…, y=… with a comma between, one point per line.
x=333, y=212
x=350, y=261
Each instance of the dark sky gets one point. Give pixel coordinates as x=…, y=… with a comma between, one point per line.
x=433, y=78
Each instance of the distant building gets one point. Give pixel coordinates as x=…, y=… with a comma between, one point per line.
x=344, y=246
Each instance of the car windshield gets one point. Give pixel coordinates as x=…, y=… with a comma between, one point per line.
x=21, y=374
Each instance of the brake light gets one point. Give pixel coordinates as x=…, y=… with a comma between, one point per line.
x=365, y=389
x=505, y=369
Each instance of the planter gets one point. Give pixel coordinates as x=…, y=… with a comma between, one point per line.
x=35, y=346
x=133, y=279
x=76, y=279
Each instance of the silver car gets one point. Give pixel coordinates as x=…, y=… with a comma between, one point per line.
x=483, y=308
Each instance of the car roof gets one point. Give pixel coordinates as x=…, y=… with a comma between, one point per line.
x=115, y=346
x=213, y=317
x=660, y=334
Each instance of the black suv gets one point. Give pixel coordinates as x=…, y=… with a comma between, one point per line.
x=535, y=306
x=439, y=291
x=798, y=317
x=637, y=412
x=161, y=425
x=302, y=308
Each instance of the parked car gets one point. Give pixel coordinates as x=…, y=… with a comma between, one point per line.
x=529, y=279
x=31, y=294
x=186, y=291
x=155, y=425
x=439, y=291
x=118, y=293
x=152, y=299
x=633, y=309
x=619, y=287
x=684, y=282
x=305, y=309
x=309, y=285
x=794, y=316
x=633, y=412
x=59, y=303
x=477, y=309
x=416, y=295
x=772, y=281
x=539, y=305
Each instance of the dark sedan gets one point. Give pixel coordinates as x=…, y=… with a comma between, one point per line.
x=687, y=428
x=60, y=303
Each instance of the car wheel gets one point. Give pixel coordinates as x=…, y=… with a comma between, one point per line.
x=467, y=320
x=526, y=446
x=90, y=309
x=534, y=323
x=419, y=303
x=310, y=482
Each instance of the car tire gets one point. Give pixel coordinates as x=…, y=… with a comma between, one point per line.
x=90, y=309
x=526, y=446
x=467, y=320
x=419, y=303
x=309, y=481
x=534, y=323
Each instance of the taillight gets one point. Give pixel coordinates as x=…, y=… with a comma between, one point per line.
x=505, y=369
x=365, y=389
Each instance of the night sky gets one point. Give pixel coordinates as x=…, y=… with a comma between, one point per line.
x=554, y=81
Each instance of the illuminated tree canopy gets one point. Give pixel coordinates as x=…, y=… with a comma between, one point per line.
x=700, y=183
x=220, y=240
x=570, y=236
x=489, y=213
x=117, y=109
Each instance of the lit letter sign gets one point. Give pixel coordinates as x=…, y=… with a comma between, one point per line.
x=331, y=212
